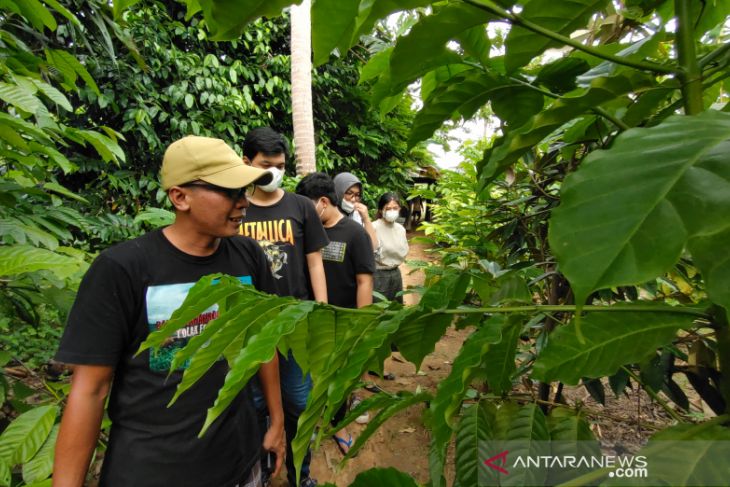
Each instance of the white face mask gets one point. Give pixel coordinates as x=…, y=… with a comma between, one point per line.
x=391, y=215
x=346, y=206
x=278, y=176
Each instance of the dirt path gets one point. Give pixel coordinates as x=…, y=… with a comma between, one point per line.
x=402, y=442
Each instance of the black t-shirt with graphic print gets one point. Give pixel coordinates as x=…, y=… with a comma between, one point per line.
x=287, y=231
x=350, y=252
x=129, y=290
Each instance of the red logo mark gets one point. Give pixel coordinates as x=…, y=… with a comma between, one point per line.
x=501, y=458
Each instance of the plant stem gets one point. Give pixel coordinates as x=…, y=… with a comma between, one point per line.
x=690, y=73
x=570, y=308
x=709, y=58
x=517, y=20
x=722, y=334
x=654, y=395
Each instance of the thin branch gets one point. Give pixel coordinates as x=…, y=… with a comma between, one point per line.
x=517, y=20
x=654, y=395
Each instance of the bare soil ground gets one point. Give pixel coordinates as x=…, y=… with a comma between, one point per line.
x=403, y=441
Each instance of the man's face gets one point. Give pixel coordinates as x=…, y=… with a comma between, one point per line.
x=216, y=211
x=263, y=161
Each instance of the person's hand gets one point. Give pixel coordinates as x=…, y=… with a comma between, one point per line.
x=275, y=442
x=363, y=211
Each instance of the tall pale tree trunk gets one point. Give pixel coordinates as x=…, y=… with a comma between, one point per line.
x=301, y=87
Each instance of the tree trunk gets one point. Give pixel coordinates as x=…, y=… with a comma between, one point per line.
x=301, y=88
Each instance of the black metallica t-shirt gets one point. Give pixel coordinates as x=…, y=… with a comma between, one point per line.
x=350, y=252
x=287, y=231
x=130, y=290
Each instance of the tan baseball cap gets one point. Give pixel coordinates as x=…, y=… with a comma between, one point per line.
x=194, y=158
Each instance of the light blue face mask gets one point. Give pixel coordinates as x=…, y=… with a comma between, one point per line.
x=277, y=178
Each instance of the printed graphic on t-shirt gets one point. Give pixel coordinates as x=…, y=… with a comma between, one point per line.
x=277, y=231
x=334, y=251
x=272, y=236
x=162, y=301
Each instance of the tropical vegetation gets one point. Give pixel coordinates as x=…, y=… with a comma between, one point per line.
x=585, y=243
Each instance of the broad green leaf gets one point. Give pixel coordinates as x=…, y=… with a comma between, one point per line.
x=339, y=17
x=321, y=342
x=501, y=362
x=157, y=217
x=26, y=434
x=439, y=76
x=518, y=142
x=37, y=14
x=19, y=259
x=259, y=349
x=471, y=441
x=515, y=105
x=376, y=65
x=383, y=477
x=682, y=455
x=559, y=76
x=570, y=434
x=612, y=339
x=475, y=42
x=21, y=233
x=55, y=5
x=528, y=435
x=71, y=68
x=209, y=290
x=399, y=403
x=359, y=353
x=5, y=473
x=564, y=17
x=460, y=96
x=57, y=188
x=711, y=257
x=227, y=19
x=643, y=209
x=120, y=6
x=24, y=127
x=19, y=97
x=417, y=336
x=371, y=11
x=41, y=465
x=54, y=95
x=450, y=391
x=206, y=349
x=189, y=100
x=414, y=53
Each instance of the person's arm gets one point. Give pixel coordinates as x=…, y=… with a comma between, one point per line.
x=364, y=289
x=367, y=224
x=274, y=439
x=316, y=276
x=80, y=424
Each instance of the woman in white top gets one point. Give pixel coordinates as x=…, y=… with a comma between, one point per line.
x=393, y=248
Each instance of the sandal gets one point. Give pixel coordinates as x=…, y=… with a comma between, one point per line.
x=342, y=443
x=388, y=376
x=372, y=387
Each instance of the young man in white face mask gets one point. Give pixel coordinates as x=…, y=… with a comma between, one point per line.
x=288, y=228
x=349, y=193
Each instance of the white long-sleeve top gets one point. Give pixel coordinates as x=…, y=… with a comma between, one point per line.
x=393, y=244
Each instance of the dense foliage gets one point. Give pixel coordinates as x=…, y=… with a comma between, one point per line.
x=599, y=214
x=598, y=249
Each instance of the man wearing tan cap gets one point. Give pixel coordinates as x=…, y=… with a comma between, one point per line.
x=131, y=289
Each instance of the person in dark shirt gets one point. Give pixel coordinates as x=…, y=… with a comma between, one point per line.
x=288, y=229
x=130, y=290
x=349, y=263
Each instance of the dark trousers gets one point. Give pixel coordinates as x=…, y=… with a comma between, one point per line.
x=389, y=283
